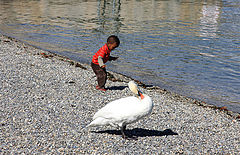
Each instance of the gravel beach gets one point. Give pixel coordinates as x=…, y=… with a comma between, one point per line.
x=47, y=100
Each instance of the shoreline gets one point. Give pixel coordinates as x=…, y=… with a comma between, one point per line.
x=118, y=77
x=48, y=99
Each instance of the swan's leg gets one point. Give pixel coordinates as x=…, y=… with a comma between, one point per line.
x=123, y=128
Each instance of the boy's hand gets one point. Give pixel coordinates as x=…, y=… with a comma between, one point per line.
x=114, y=58
x=103, y=66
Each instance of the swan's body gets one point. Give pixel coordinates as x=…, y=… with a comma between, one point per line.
x=124, y=111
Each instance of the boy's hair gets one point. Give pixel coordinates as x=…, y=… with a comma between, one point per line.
x=113, y=39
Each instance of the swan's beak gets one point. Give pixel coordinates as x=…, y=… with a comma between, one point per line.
x=140, y=94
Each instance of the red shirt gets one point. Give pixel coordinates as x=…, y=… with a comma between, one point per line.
x=104, y=52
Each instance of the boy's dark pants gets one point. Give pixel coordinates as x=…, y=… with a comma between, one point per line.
x=101, y=74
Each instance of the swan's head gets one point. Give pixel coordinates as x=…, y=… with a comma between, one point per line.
x=133, y=87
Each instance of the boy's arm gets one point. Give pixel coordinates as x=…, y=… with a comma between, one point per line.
x=100, y=61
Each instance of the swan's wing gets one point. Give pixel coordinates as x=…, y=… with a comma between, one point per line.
x=120, y=108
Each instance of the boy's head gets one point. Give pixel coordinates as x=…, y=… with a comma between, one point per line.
x=113, y=42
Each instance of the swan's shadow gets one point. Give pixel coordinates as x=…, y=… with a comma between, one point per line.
x=139, y=132
x=123, y=87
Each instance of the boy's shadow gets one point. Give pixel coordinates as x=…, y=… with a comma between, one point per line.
x=123, y=87
x=139, y=132
x=116, y=87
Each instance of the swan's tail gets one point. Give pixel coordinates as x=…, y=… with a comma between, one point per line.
x=86, y=127
x=98, y=122
x=93, y=124
x=89, y=125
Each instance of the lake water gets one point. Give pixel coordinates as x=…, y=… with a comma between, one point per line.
x=191, y=47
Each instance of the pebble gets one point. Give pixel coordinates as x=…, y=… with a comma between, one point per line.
x=46, y=101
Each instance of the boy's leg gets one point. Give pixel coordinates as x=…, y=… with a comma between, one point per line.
x=101, y=74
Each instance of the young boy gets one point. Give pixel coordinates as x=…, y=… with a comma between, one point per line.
x=100, y=58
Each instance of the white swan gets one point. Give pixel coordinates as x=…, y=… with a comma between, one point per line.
x=124, y=111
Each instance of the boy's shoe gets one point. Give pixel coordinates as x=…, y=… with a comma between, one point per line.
x=102, y=89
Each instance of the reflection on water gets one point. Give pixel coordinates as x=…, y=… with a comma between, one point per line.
x=187, y=46
x=209, y=20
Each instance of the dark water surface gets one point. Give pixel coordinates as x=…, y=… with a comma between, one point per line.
x=191, y=47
